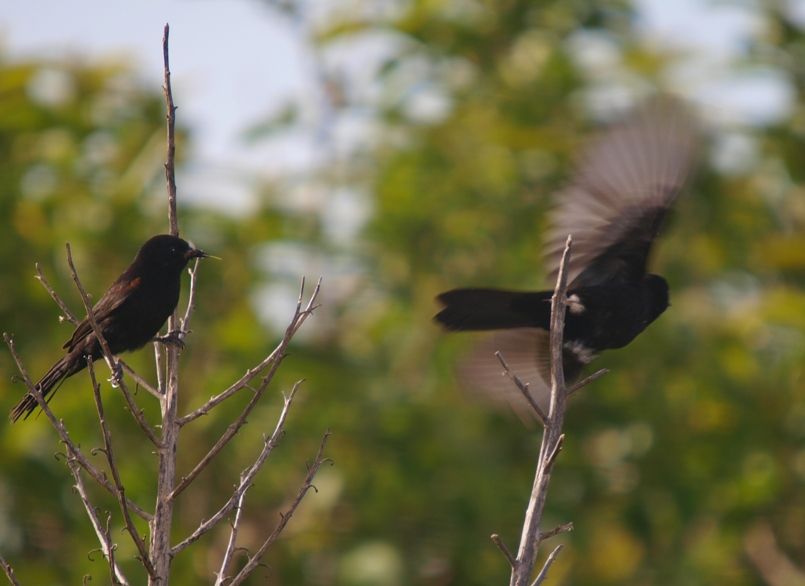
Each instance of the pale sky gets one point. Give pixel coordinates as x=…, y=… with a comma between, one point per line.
x=236, y=61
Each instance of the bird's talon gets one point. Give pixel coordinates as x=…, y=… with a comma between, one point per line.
x=174, y=338
x=117, y=375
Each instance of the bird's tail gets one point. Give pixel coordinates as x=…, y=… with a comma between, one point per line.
x=493, y=309
x=47, y=385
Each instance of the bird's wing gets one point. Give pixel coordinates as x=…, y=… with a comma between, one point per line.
x=625, y=182
x=525, y=350
x=527, y=353
x=117, y=294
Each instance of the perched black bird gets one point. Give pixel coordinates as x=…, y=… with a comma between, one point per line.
x=129, y=314
x=624, y=185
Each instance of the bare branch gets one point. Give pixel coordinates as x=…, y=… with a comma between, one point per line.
x=160, y=373
x=141, y=382
x=587, y=380
x=72, y=450
x=498, y=541
x=299, y=317
x=773, y=565
x=523, y=388
x=548, y=563
x=109, y=357
x=246, y=478
x=170, y=169
x=230, y=545
x=552, y=438
x=66, y=313
x=563, y=528
x=159, y=547
x=120, y=491
x=102, y=532
x=285, y=517
x=191, y=300
x=9, y=572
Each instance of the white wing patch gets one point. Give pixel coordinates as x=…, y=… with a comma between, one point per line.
x=582, y=353
x=574, y=305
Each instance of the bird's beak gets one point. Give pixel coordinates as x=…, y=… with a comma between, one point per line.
x=196, y=253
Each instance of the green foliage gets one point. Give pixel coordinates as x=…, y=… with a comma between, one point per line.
x=694, y=438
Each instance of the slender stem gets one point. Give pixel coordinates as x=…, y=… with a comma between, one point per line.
x=230, y=545
x=102, y=532
x=523, y=388
x=170, y=117
x=68, y=315
x=548, y=563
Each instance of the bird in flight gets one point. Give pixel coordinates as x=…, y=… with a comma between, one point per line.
x=624, y=184
x=129, y=314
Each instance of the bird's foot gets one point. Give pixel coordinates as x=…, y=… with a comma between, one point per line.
x=174, y=338
x=117, y=374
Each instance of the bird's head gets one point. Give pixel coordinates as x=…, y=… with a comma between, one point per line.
x=168, y=252
x=657, y=291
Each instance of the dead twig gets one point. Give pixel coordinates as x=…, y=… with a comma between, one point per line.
x=246, y=478
x=120, y=491
x=548, y=563
x=285, y=517
x=102, y=532
x=170, y=119
x=299, y=317
x=233, y=428
x=66, y=313
x=523, y=388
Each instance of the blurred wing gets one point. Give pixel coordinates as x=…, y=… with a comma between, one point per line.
x=114, y=297
x=525, y=350
x=625, y=183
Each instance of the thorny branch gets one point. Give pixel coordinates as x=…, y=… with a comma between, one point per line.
x=230, y=544
x=107, y=547
x=246, y=478
x=120, y=491
x=67, y=314
x=285, y=517
x=299, y=317
x=523, y=388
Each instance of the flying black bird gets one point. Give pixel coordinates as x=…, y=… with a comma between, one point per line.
x=129, y=314
x=623, y=187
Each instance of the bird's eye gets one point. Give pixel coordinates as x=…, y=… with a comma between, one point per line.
x=173, y=250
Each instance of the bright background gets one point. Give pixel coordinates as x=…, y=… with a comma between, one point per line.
x=399, y=149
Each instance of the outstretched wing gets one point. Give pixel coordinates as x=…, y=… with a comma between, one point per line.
x=624, y=185
x=526, y=351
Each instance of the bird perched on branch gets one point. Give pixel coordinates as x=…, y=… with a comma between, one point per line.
x=624, y=185
x=129, y=314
